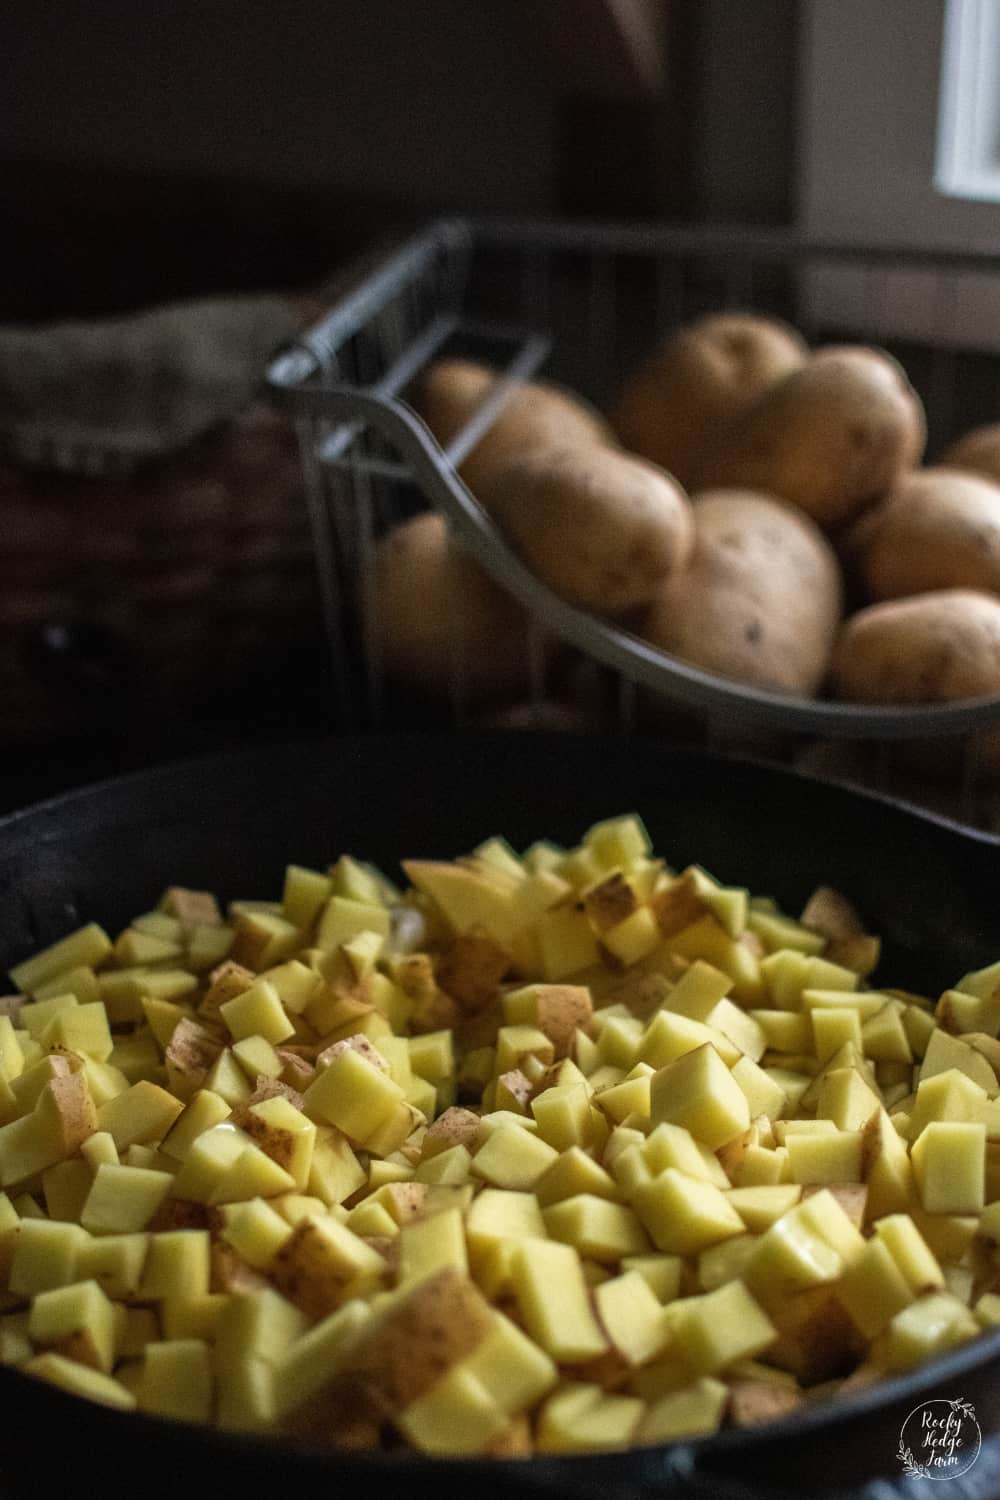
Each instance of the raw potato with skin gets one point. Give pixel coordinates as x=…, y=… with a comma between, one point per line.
x=833, y=437
x=935, y=648
x=535, y=416
x=978, y=451
x=602, y=528
x=938, y=529
x=761, y=599
x=425, y=595
x=939, y=647
x=675, y=402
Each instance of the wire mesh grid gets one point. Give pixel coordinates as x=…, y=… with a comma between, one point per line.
x=575, y=304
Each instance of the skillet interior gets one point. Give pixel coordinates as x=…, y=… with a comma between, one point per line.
x=233, y=822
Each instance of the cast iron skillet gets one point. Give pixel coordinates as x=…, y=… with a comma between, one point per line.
x=233, y=822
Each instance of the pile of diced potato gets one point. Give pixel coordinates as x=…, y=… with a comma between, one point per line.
x=555, y=1152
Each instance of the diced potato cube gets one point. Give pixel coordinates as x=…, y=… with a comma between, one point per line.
x=662, y=1273
x=122, y=1200
x=672, y=1146
x=949, y=1165
x=76, y=1321
x=65, y=1187
x=825, y=1158
x=567, y=943
x=342, y=919
x=177, y=1263
x=574, y=1172
x=88, y=946
x=789, y=1257
x=79, y=1380
x=552, y=1295
x=432, y=1055
x=512, y=1368
x=632, y=1317
x=764, y=1094
x=305, y=892
x=257, y=1058
x=929, y=1326
x=759, y=1207
x=557, y=1010
x=61, y=1120
x=114, y=1261
x=456, y=1415
x=832, y=1027
x=725, y=1261
x=258, y=1325
x=950, y=1097
x=258, y=1011
x=428, y=1245
x=785, y=1030
x=716, y=1329
x=203, y=1110
x=602, y=1230
x=563, y=1115
x=45, y=1256
x=353, y=1095
x=334, y=1171
x=512, y=1157
x=16, y=1347
x=874, y=1289
x=668, y=1037
x=584, y=1418
x=284, y=1134
x=177, y=1380
x=143, y=1113
x=910, y=1252
x=694, y=1411
x=253, y=1174
x=192, y=1317
x=699, y=1092
x=885, y=1166
x=312, y=1359
x=684, y=1215
x=317, y=1262
x=634, y=938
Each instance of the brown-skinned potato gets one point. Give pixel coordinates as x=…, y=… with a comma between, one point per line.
x=833, y=437
x=938, y=528
x=536, y=416
x=938, y=647
x=760, y=599
x=427, y=599
x=599, y=526
x=935, y=648
x=674, y=403
x=977, y=451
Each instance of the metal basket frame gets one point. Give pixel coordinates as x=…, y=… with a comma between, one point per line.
x=362, y=444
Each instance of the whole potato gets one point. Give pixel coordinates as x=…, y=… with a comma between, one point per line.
x=939, y=647
x=760, y=599
x=433, y=608
x=600, y=527
x=978, y=451
x=934, y=648
x=833, y=437
x=937, y=529
x=535, y=416
x=672, y=405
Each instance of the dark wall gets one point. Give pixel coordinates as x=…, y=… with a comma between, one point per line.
x=437, y=100
x=163, y=149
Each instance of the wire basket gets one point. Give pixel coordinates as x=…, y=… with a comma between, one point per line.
x=577, y=303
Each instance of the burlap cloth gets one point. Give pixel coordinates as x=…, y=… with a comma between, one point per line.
x=106, y=396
